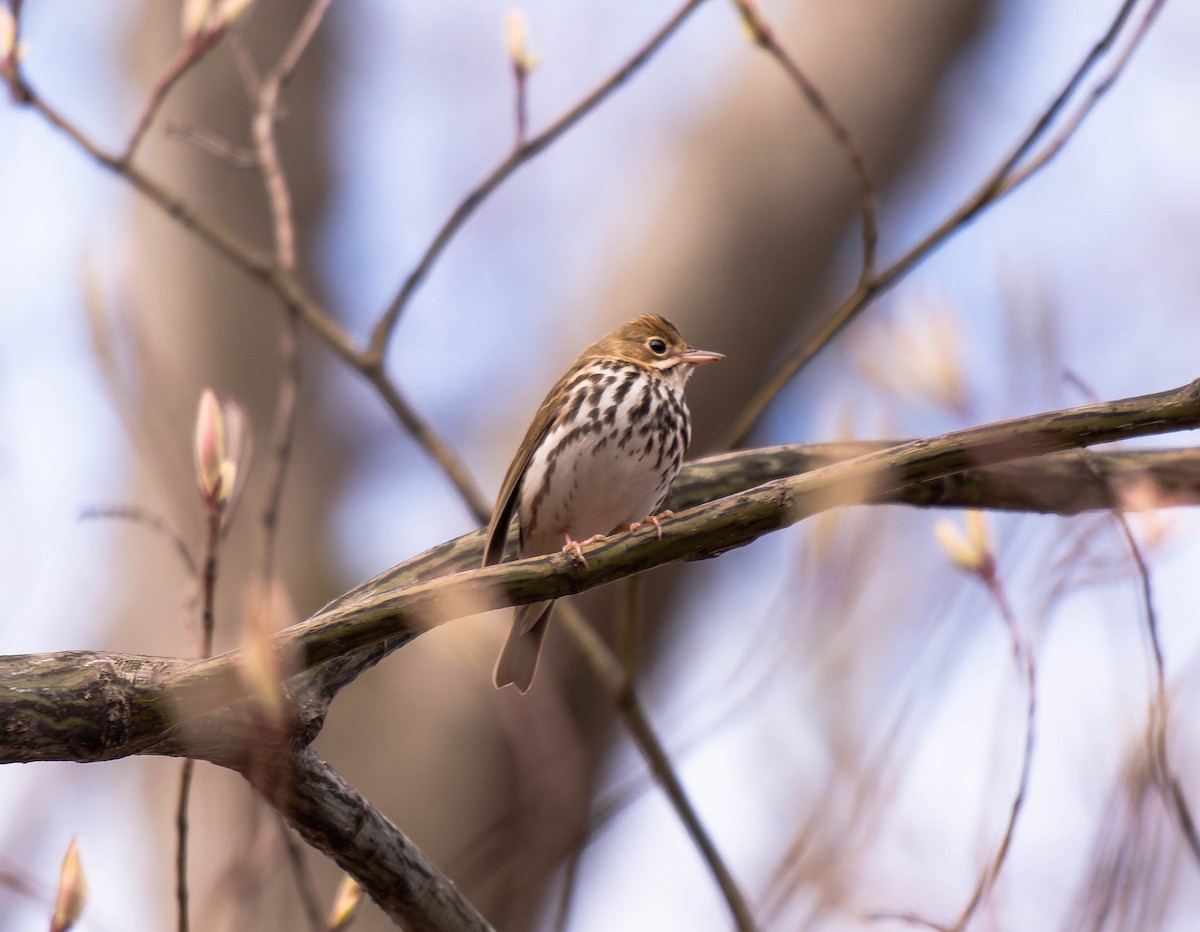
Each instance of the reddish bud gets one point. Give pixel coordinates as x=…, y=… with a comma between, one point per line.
x=210, y=445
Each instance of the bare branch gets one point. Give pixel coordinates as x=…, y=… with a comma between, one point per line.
x=1164, y=775
x=222, y=149
x=302, y=878
x=184, y=794
x=1001, y=181
x=283, y=225
x=518, y=157
x=420, y=430
x=263, y=126
x=51, y=701
x=617, y=683
x=187, y=56
x=152, y=521
x=1024, y=660
x=764, y=36
x=332, y=817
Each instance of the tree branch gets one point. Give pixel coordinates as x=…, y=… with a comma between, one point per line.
x=518, y=157
x=86, y=706
x=1016, y=168
x=335, y=819
x=93, y=706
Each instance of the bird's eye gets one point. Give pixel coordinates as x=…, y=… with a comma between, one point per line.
x=657, y=346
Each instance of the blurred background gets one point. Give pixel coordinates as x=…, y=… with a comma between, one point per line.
x=841, y=703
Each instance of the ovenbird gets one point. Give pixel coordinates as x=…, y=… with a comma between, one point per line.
x=600, y=455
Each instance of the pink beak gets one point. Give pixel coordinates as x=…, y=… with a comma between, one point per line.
x=699, y=357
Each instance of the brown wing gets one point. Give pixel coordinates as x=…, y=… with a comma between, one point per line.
x=506, y=503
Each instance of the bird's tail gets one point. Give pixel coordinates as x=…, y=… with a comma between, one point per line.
x=519, y=659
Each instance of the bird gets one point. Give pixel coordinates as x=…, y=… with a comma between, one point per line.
x=599, y=457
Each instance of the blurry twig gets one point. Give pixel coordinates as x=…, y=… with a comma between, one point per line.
x=187, y=56
x=336, y=820
x=263, y=125
x=1023, y=657
x=1166, y=778
x=617, y=683
x=627, y=624
x=518, y=157
x=267, y=94
x=974, y=553
x=149, y=520
x=523, y=61
x=282, y=435
x=208, y=582
x=263, y=269
x=764, y=36
x=222, y=149
x=302, y=877
x=181, y=843
x=1016, y=168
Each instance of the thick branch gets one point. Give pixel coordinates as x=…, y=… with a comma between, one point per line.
x=335, y=819
x=48, y=707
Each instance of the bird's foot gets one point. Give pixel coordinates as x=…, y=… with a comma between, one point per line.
x=576, y=546
x=656, y=520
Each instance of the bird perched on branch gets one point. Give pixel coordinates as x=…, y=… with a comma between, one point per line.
x=599, y=457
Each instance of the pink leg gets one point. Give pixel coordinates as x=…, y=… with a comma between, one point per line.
x=656, y=520
x=576, y=546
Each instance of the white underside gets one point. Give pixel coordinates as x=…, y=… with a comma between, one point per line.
x=595, y=486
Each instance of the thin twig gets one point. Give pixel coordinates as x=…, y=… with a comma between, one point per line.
x=1022, y=650
x=518, y=157
x=520, y=104
x=1165, y=776
x=188, y=55
x=147, y=519
x=911, y=919
x=1015, y=176
x=220, y=238
x=302, y=877
x=419, y=429
x=764, y=36
x=221, y=149
x=627, y=624
x=283, y=283
x=263, y=125
x=181, y=843
x=1157, y=724
x=208, y=582
x=608, y=669
x=296, y=48
x=1023, y=658
x=283, y=226
x=283, y=435
x=1001, y=181
x=243, y=62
